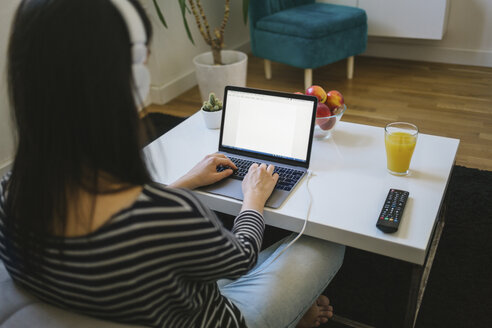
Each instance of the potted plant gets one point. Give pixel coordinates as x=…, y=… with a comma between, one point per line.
x=217, y=68
x=212, y=112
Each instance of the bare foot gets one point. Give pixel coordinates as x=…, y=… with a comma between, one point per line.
x=317, y=314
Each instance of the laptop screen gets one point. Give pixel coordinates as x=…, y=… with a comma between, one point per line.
x=268, y=123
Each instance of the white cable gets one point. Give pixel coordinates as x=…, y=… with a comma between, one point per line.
x=310, y=173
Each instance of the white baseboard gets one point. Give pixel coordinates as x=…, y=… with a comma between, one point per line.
x=161, y=94
x=422, y=52
x=5, y=167
x=164, y=93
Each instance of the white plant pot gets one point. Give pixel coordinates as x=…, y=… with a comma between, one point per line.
x=214, y=78
x=212, y=119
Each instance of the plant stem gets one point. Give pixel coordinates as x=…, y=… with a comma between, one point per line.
x=224, y=21
x=217, y=55
x=216, y=42
x=205, y=34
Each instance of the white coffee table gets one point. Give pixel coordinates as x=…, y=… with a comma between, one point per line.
x=349, y=186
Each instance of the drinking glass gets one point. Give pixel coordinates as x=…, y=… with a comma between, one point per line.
x=400, y=139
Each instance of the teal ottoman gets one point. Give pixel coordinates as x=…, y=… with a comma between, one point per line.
x=306, y=34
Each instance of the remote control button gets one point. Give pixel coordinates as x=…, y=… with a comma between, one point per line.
x=391, y=213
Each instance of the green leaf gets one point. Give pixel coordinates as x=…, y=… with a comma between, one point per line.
x=245, y=11
x=182, y=5
x=159, y=13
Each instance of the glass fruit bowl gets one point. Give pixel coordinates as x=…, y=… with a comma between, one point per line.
x=325, y=125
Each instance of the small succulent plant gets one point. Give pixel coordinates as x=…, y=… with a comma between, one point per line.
x=213, y=104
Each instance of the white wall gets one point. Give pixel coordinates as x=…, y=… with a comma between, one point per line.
x=7, y=8
x=172, y=53
x=467, y=40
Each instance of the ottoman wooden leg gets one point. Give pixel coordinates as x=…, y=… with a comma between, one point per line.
x=350, y=67
x=268, y=69
x=308, y=78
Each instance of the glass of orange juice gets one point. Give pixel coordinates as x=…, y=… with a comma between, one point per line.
x=400, y=139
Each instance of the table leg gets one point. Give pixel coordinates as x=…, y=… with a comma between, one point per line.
x=420, y=275
x=418, y=283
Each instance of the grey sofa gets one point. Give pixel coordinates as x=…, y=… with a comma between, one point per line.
x=19, y=309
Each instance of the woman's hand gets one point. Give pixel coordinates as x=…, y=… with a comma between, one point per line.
x=258, y=185
x=205, y=172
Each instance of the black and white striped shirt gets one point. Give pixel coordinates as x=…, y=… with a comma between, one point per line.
x=155, y=263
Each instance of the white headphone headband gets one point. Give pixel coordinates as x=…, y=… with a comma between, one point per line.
x=132, y=19
x=138, y=40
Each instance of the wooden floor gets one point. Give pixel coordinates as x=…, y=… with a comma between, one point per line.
x=441, y=99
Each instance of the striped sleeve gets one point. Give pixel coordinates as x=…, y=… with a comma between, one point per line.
x=3, y=192
x=154, y=263
x=239, y=248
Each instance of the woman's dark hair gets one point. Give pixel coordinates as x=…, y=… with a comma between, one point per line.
x=71, y=92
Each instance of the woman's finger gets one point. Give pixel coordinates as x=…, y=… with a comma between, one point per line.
x=225, y=162
x=252, y=167
x=224, y=174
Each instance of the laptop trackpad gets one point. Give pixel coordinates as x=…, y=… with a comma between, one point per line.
x=227, y=187
x=232, y=188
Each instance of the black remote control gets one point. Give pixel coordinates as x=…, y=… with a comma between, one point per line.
x=390, y=217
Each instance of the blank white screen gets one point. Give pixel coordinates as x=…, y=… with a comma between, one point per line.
x=268, y=124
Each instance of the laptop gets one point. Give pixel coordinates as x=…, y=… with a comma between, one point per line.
x=262, y=126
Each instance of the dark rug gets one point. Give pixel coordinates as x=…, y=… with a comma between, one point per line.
x=373, y=289
x=157, y=124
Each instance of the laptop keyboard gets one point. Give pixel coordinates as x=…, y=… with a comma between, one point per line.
x=287, y=177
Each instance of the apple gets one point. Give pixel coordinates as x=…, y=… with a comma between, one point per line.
x=318, y=92
x=328, y=123
x=323, y=111
x=334, y=99
x=323, y=114
x=298, y=93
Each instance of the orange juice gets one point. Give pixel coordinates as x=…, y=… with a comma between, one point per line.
x=399, y=150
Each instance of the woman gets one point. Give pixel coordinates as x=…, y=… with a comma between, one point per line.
x=83, y=227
